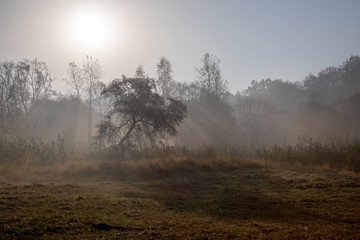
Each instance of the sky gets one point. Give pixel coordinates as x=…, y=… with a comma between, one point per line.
x=254, y=39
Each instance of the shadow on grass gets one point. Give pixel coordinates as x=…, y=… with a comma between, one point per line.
x=248, y=195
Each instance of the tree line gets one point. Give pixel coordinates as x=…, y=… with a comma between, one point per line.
x=140, y=111
x=22, y=84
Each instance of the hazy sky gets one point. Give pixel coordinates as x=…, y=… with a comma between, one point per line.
x=254, y=39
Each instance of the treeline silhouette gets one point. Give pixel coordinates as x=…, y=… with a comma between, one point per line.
x=268, y=113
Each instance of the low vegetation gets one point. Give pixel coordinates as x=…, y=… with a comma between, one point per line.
x=248, y=202
x=337, y=155
x=181, y=194
x=333, y=155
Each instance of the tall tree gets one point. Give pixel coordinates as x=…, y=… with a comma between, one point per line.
x=9, y=101
x=92, y=73
x=21, y=85
x=34, y=82
x=250, y=113
x=140, y=72
x=75, y=79
x=165, y=83
x=100, y=102
x=210, y=78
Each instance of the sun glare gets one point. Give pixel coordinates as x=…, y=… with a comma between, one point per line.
x=90, y=30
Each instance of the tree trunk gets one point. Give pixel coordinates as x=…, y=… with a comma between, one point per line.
x=121, y=144
x=90, y=120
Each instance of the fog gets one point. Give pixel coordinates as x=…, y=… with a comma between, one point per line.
x=67, y=118
x=323, y=106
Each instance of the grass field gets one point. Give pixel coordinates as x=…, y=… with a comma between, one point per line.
x=249, y=202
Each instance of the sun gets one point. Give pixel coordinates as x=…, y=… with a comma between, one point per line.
x=90, y=29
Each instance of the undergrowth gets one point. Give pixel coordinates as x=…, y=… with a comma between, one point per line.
x=336, y=154
x=21, y=159
x=33, y=151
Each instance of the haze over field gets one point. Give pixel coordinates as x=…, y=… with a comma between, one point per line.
x=241, y=73
x=164, y=119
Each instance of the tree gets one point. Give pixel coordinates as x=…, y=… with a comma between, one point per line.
x=22, y=84
x=187, y=91
x=138, y=109
x=39, y=78
x=75, y=79
x=140, y=72
x=34, y=82
x=351, y=78
x=257, y=88
x=10, y=104
x=100, y=102
x=92, y=74
x=251, y=115
x=211, y=80
x=165, y=83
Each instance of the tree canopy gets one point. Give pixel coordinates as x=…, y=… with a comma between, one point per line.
x=138, y=109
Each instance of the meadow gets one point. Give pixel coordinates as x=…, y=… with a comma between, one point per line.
x=194, y=196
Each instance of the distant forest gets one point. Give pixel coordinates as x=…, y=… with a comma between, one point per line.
x=269, y=111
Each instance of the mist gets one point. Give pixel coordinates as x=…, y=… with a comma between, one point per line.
x=137, y=119
x=268, y=112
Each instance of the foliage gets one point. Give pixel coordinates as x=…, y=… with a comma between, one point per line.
x=210, y=77
x=164, y=83
x=333, y=82
x=185, y=91
x=140, y=72
x=139, y=116
x=137, y=109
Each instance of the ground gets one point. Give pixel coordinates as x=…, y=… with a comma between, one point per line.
x=246, y=203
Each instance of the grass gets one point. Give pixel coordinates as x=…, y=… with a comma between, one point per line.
x=335, y=154
x=104, y=170
x=234, y=201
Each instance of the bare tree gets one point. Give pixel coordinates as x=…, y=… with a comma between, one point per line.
x=39, y=78
x=21, y=85
x=9, y=101
x=92, y=73
x=75, y=79
x=33, y=82
x=101, y=104
x=251, y=115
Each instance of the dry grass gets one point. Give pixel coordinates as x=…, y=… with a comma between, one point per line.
x=243, y=203
x=332, y=154
x=204, y=194
x=33, y=155
x=126, y=170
